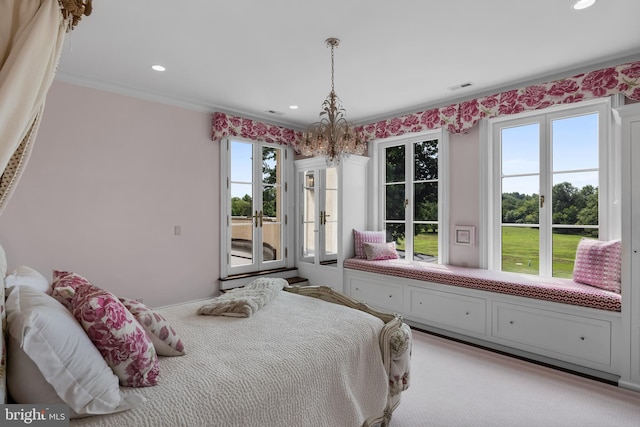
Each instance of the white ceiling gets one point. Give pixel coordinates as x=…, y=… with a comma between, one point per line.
x=250, y=56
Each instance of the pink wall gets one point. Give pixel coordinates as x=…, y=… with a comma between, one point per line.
x=109, y=178
x=464, y=188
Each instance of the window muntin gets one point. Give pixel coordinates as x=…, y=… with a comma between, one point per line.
x=548, y=175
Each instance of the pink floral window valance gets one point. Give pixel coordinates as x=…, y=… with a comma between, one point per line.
x=460, y=117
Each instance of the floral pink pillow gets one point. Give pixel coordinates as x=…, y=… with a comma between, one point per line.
x=162, y=335
x=598, y=263
x=380, y=251
x=362, y=237
x=67, y=283
x=114, y=331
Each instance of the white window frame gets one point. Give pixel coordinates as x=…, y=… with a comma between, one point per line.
x=490, y=192
x=287, y=231
x=377, y=175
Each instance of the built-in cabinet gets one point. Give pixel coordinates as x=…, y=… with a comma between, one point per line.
x=330, y=202
x=578, y=338
x=628, y=118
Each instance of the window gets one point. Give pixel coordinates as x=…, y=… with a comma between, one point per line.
x=253, y=210
x=549, y=187
x=412, y=189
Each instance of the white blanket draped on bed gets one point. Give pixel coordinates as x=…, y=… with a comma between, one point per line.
x=245, y=301
x=299, y=361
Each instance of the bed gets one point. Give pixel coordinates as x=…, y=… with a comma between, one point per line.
x=310, y=356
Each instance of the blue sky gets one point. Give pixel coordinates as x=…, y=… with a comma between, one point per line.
x=575, y=147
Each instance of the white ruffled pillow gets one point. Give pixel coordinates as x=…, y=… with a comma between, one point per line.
x=27, y=276
x=52, y=360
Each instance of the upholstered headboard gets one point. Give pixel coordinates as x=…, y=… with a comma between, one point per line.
x=3, y=320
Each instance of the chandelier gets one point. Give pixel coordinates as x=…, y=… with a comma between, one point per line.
x=333, y=137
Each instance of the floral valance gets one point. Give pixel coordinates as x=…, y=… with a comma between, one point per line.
x=460, y=117
x=225, y=125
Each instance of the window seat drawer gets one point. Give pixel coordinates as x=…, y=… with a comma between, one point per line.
x=551, y=332
x=447, y=309
x=387, y=296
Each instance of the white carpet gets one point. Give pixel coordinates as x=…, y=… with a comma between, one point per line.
x=453, y=384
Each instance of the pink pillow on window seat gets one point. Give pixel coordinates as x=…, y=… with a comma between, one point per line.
x=380, y=251
x=598, y=263
x=362, y=237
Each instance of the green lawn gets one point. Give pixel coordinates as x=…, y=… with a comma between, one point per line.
x=520, y=250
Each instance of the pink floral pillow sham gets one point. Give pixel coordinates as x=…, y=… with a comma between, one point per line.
x=598, y=263
x=115, y=332
x=164, y=338
x=362, y=237
x=67, y=282
x=380, y=251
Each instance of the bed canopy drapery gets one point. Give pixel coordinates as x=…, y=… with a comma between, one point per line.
x=32, y=33
x=460, y=117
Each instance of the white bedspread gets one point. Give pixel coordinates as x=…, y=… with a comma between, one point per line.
x=297, y=362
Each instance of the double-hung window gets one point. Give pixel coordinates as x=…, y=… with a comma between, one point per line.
x=411, y=195
x=253, y=205
x=548, y=187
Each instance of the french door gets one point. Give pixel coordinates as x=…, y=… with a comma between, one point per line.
x=254, y=232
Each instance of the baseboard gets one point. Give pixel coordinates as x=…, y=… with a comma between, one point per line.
x=629, y=385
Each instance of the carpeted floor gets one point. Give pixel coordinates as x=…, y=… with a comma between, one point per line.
x=453, y=384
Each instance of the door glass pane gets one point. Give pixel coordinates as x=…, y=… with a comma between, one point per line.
x=242, y=209
x=271, y=221
x=425, y=242
x=426, y=160
x=331, y=214
x=242, y=241
x=271, y=242
x=520, y=249
x=309, y=183
x=520, y=149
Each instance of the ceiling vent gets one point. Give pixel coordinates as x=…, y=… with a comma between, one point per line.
x=460, y=86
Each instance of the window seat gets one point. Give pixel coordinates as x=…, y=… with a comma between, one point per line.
x=564, y=291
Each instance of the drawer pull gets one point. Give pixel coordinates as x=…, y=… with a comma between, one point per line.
x=511, y=322
x=467, y=313
x=357, y=289
x=582, y=338
x=390, y=296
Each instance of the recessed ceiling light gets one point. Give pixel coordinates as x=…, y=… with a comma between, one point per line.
x=583, y=4
x=158, y=67
x=293, y=107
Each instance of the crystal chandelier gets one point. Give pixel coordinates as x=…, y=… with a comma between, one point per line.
x=333, y=137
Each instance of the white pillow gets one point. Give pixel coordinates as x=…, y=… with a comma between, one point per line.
x=69, y=369
x=27, y=276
